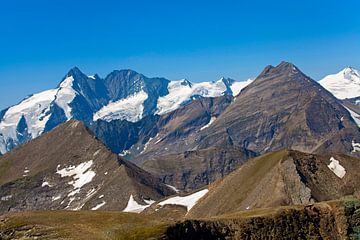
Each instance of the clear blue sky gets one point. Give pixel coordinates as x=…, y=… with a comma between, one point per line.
x=199, y=40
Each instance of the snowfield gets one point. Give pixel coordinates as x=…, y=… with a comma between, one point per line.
x=36, y=111
x=135, y=207
x=345, y=84
x=187, y=201
x=182, y=91
x=33, y=109
x=65, y=95
x=130, y=109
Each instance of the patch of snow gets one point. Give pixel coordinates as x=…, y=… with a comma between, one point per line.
x=146, y=145
x=6, y=198
x=345, y=84
x=236, y=87
x=56, y=198
x=186, y=201
x=212, y=119
x=97, y=152
x=124, y=153
x=135, y=207
x=99, y=205
x=101, y=196
x=81, y=174
x=105, y=173
x=91, y=192
x=356, y=146
x=130, y=109
x=45, y=184
x=92, y=77
x=336, y=168
x=173, y=188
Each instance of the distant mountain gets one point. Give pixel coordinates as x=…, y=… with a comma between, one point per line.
x=282, y=178
x=68, y=168
x=283, y=108
x=122, y=95
x=344, y=84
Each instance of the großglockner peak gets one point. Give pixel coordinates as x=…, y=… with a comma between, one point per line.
x=121, y=95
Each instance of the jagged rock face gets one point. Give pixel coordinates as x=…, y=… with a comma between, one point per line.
x=279, y=179
x=120, y=135
x=69, y=168
x=194, y=169
x=159, y=135
x=281, y=108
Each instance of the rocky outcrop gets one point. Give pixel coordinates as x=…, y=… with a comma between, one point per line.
x=333, y=220
x=195, y=169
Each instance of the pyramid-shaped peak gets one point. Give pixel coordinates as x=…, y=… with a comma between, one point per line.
x=74, y=72
x=284, y=68
x=285, y=64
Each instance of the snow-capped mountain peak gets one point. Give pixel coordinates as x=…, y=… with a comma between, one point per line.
x=344, y=84
x=122, y=95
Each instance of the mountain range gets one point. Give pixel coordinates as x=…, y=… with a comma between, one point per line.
x=121, y=95
x=203, y=154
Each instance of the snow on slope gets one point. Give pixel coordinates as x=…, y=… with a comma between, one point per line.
x=81, y=174
x=345, y=84
x=34, y=111
x=212, y=119
x=135, y=207
x=187, y=201
x=236, y=87
x=130, y=108
x=65, y=95
x=182, y=91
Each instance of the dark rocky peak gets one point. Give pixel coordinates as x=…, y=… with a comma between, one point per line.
x=227, y=81
x=186, y=82
x=122, y=83
x=79, y=77
x=284, y=68
x=283, y=74
x=123, y=74
x=75, y=72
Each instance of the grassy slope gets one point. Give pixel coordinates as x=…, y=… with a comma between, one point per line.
x=80, y=225
x=333, y=218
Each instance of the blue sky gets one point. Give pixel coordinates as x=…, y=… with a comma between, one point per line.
x=41, y=40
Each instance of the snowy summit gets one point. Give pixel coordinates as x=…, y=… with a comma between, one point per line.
x=345, y=84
